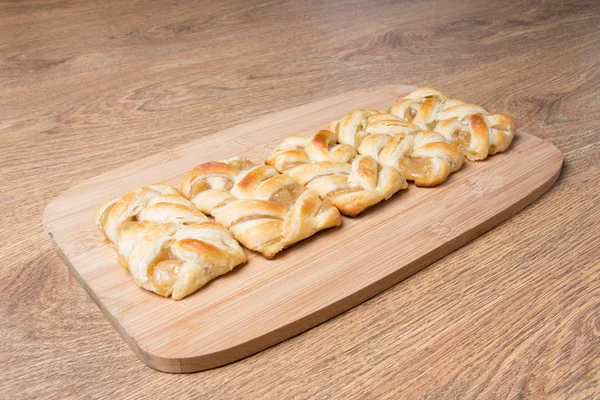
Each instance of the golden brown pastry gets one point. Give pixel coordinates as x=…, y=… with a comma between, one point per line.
x=425, y=158
x=265, y=210
x=468, y=126
x=351, y=128
x=422, y=107
x=476, y=132
x=357, y=125
x=389, y=124
x=168, y=245
x=422, y=156
x=352, y=183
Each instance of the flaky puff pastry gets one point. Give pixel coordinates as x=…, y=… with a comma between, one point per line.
x=423, y=107
x=425, y=157
x=167, y=244
x=265, y=210
x=468, y=126
x=357, y=125
x=352, y=183
x=476, y=132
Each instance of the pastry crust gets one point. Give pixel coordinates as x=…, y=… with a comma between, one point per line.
x=168, y=245
x=351, y=128
x=468, y=126
x=265, y=210
x=425, y=157
x=422, y=107
x=355, y=126
x=478, y=133
x=352, y=183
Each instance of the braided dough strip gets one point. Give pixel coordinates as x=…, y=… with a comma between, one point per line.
x=168, y=245
x=265, y=210
x=425, y=157
x=422, y=107
x=334, y=171
x=475, y=131
x=468, y=126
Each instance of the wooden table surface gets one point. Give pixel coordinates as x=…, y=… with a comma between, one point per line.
x=88, y=86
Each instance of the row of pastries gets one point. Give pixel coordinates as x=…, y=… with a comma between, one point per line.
x=165, y=239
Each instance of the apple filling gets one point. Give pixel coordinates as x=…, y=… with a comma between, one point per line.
x=164, y=274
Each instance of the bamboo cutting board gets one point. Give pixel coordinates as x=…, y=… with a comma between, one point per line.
x=264, y=302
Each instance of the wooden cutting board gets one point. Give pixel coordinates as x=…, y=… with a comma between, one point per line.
x=264, y=302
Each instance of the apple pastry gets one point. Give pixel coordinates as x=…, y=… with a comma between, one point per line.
x=476, y=132
x=166, y=243
x=425, y=157
x=351, y=182
x=357, y=125
x=423, y=107
x=468, y=126
x=266, y=211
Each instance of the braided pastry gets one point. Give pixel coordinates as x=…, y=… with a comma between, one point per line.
x=422, y=107
x=476, y=132
x=168, y=246
x=426, y=158
x=352, y=183
x=354, y=127
x=351, y=128
x=265, y=210
x=468, y=126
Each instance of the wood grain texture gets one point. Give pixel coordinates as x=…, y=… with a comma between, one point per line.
x=267, y=301
x=86, y=87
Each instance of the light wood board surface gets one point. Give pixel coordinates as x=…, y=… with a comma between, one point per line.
x=266, y=301
x=87, y=87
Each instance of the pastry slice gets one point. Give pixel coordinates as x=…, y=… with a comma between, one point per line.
x=422, y=107
x=468, y=126
x=166, y=243
x=351, y=128
x=352, y=183
x=425, y=157
x=476, y=132
x=357, y=125
x=266, y=211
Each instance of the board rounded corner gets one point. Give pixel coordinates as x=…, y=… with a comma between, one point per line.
x=155, y=361
x=557, y=159
x=183, y=365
